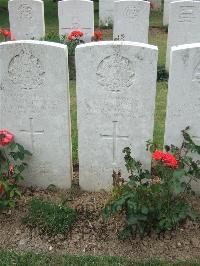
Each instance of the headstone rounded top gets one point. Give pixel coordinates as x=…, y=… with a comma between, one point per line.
x=118, y=43
x=33, y=42
x=185, y=46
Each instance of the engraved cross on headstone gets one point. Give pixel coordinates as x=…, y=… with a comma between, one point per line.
x=114, y=137
x=32, y=132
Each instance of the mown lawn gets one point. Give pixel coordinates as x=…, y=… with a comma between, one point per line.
x=10, y=258
x=157, y=37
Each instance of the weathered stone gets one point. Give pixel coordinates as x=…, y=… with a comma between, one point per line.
x=26, y=19
x=76, y=15
x=116, y=104
x=184, y=24
x=34, y=105
x=183, y=104
x=166, y=12
x=106, y=8
x=131, y=20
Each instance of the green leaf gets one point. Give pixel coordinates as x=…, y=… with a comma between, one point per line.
x=27, y=152
x=144, y=210
x=179, y=173
x=20, y=168
x=12, y=146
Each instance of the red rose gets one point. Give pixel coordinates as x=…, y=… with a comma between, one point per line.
x=157, y=155
x=170, y=160
x=6, y=33
x=98, y=35
x=5, y=137
x=76, y=33
x=70, y=38
x=2, y=188
x=167, y=158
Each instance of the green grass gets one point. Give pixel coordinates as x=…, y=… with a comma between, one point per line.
x=49, y=218
x=10, y=258
x=74, y=122
x=159, y=39
x=160, y=113
x=156, y=18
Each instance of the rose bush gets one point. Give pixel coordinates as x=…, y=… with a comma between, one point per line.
x=12, y=165
x=156, y=200
x=98, y=36
x=6, y=35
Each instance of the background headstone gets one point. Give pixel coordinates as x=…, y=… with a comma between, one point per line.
x=34, y=106
x=183, y=104
x=166, y=11
x=106, y=8
x=131, y=20
x=26, y=19
x=184, y=25
x=76, y=15
x=115, y=104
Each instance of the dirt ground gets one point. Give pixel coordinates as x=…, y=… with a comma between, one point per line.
x=91, y=235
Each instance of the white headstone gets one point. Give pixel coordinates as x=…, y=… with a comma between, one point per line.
x=131, y=20
x=166, y=12
x=34, y=106
x=183, y=104
x=116, y=86
x=106, y=12
x=184, y=25
x=76, y=15
x=26, y=19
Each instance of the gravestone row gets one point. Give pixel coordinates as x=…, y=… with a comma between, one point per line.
x=131, y=19
x=27, y=18
x=116, y=87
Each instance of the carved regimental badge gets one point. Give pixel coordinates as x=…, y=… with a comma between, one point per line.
x=131, y=12
x=24, y=12
x=26, y=70
x=115, y=73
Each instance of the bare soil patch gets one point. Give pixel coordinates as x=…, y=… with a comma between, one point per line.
x=91, y=235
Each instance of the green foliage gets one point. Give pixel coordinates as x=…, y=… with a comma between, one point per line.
x=12, y=165
x=162, y=74
x=156, y=200
x=51, y=37
x=33, y=259
x=49, y=218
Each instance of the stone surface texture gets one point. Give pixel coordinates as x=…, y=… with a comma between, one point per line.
x=184, y=25
x=34, y=106
x=76, y=15
x=166, y=11
x=131, y=20
x=26, y=19
x=106, y=8
x=183, y=104
x=115, y=103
